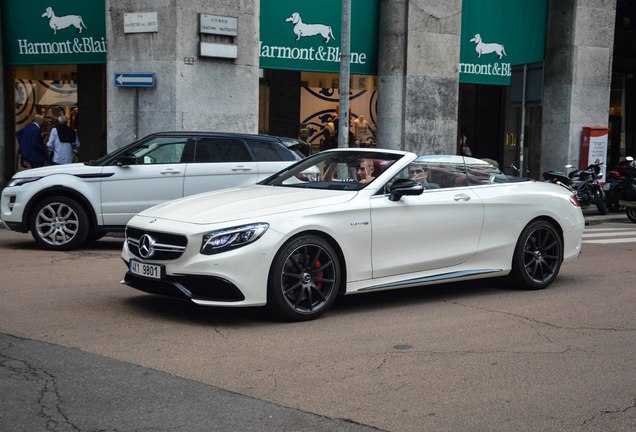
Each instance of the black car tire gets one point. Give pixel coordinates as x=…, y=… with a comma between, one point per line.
x=599, y=198
x=304, y=279
x=537, y=257
x=59, y=223
x=631, y=214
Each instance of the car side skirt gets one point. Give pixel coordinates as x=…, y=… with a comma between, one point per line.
x=454, y=276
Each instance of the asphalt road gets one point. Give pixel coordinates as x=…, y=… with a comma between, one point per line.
x=79, y=351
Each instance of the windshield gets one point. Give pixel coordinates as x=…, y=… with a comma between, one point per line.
x=343, y=170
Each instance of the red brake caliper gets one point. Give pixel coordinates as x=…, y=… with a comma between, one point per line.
x=318, y=275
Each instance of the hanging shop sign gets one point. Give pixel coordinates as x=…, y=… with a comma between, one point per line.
x=499, y=34
x=305, y=35
x=53, y=32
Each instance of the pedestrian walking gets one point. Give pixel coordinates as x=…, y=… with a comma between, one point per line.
x=63, y=142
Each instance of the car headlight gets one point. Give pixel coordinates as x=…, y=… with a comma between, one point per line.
x=22, y=180
x=231, y=238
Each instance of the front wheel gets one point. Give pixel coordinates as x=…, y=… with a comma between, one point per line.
x=59, y=223
x=304, y=279
x=537, y=257
x=599, y=198
x=631, y=214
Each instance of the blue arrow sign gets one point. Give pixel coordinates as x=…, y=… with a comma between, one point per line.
x=134, y=79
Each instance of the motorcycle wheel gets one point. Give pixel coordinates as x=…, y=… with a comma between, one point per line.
x=631, y=214
x=599, y=200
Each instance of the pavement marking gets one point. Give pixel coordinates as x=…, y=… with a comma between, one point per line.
x=612, y=235
x=609, y=241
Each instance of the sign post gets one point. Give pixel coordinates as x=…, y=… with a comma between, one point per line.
x=135, y=80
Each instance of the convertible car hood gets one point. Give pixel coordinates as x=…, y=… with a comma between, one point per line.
x=249, y=202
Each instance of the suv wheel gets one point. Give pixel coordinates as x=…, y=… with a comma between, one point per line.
x=59, y=223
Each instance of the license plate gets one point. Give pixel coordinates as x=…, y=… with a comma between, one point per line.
x=150, y=271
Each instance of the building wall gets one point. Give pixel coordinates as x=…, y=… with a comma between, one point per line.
x=210, y=94
x=4, y=150
x=579, y=45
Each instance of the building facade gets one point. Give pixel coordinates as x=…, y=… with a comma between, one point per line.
x=271, y=66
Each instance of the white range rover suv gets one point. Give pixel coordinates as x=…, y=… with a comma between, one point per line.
x=66, y=205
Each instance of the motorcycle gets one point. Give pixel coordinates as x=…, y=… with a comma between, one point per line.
x=585, y=183
x=620, y=184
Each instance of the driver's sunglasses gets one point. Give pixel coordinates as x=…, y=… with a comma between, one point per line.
x=416, y=171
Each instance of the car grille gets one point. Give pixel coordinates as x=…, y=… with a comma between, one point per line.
x=191, y=287
x=156, y=246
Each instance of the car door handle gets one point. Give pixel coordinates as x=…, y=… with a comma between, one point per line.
x=461, y=197
x=170, y=171
x=241, y=168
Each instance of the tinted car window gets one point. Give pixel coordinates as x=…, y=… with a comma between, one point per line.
x=160, y=151
x=264, y=151
x=480, y=174
x=446, y=174
x=221, y=150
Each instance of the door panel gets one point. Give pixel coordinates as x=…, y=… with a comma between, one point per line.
x=439, y=228
x=155, y=178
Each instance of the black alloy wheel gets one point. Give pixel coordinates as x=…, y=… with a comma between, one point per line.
x=59, y=223
x=304, y=279
x=537, y=257
x=631, y=214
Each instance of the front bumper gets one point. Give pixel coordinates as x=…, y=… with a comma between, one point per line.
x=11, y=208
x=194, y=288
x=233, y=278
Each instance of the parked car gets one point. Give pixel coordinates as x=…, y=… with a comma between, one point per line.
x=352, y=221
x=65, y=205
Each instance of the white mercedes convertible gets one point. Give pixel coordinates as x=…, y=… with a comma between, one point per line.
x=349, y=221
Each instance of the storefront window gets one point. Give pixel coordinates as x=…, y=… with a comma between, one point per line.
x=319, y=107
x=50, y=91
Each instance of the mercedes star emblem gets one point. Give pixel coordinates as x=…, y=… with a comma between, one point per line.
x=146, y=246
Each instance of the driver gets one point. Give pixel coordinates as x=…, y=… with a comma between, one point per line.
x=364, y=172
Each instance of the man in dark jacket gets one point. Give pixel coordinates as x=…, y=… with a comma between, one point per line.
x=30, y=144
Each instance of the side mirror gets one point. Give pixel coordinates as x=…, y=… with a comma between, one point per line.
x=401, y=187
x=126, y=160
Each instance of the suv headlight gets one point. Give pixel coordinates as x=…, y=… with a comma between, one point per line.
x=22, y=180
x=231, y=238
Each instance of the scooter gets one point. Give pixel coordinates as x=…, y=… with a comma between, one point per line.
x=585, y=183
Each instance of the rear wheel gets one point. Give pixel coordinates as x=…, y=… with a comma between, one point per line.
x=537, y=257
x=59, y=223
x=304, y=279
x=631, y=214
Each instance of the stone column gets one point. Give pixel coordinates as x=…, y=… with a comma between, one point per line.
x=391, y=73
x=579, y=47
x=432, y=76
x=191, y=92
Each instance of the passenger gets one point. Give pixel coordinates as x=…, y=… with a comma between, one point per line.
x=364, y=172
x=419, y=173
